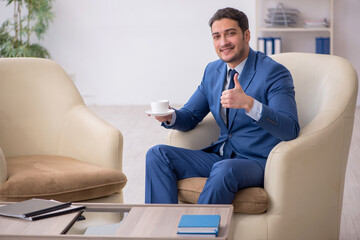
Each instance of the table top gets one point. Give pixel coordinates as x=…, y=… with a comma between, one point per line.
x=146, y=221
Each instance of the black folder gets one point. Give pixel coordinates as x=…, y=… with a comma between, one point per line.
x=30, y=208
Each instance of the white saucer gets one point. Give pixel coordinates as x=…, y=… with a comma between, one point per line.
x=150, y=112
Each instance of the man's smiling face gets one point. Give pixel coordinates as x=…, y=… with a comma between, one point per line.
x=231, y=45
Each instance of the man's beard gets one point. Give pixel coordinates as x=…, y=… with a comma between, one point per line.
x=236, y=57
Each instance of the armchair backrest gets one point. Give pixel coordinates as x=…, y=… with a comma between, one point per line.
x=323, y=83
x=36, y=96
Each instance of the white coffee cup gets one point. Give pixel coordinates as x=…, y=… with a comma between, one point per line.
x=160, y=106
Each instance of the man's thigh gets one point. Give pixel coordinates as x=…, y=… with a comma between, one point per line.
x=229, y=176
x=188, y=163
x=241, y=173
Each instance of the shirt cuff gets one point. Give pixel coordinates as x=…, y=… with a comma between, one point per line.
x=173, y=119
x=256, y=110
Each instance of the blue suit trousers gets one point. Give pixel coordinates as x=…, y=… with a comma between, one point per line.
x=165, y=165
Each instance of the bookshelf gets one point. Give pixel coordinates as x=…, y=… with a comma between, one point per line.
x=297, y=38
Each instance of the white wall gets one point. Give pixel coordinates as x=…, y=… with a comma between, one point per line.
x=347, y=34
x=130, y=52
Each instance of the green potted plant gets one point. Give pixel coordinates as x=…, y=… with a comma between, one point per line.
x=30, y=17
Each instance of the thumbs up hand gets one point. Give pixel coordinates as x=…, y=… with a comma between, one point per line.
x=236, y=97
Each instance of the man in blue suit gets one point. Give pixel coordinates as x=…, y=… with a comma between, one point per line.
x=252, y=98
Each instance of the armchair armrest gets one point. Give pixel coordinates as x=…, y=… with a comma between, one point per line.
x=305, y=177
x=3, y=168
x=87, y=137
x=202, y=136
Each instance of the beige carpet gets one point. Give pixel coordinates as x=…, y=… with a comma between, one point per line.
x=142, y=132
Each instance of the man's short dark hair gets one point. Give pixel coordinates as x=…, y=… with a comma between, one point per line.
x=233, y=14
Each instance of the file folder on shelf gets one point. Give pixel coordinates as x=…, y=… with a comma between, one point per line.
x=277, y=45
x=269, y=42
x=269, y=45
x=261, y=45
x=322, y=45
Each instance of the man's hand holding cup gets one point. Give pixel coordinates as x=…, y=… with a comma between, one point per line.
x=160, y=110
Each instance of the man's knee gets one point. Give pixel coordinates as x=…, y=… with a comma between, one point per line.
x=153, y=154
x=223, y=168
x=157, y=155
x=224, y=174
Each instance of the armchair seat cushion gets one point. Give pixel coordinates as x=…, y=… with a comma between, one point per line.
x=253, y=200
x=58, y=177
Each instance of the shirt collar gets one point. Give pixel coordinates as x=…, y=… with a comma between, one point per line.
x=238, y=68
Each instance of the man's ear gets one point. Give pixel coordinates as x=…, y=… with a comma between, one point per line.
x=247, y=36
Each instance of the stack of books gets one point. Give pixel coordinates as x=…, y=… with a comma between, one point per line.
x=199, y=225
x=36, y=209
x=316, y=23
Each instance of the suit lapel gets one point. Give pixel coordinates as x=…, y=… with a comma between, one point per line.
x=220, y=81
x=245, y=79
x=249, y=71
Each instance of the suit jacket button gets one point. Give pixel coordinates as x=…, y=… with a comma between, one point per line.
x=230, y=135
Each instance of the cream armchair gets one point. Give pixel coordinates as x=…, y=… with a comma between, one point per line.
x=52, y=145
x=304, y=178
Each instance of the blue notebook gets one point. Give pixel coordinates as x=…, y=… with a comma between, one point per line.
x=199, y=224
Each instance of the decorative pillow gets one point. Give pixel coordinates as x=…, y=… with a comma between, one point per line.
x=60, y=178
x=253, y=200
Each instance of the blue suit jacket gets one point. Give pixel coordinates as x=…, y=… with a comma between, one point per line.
x=263, y=79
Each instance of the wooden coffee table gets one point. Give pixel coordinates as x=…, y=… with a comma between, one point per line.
x=144, y=221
